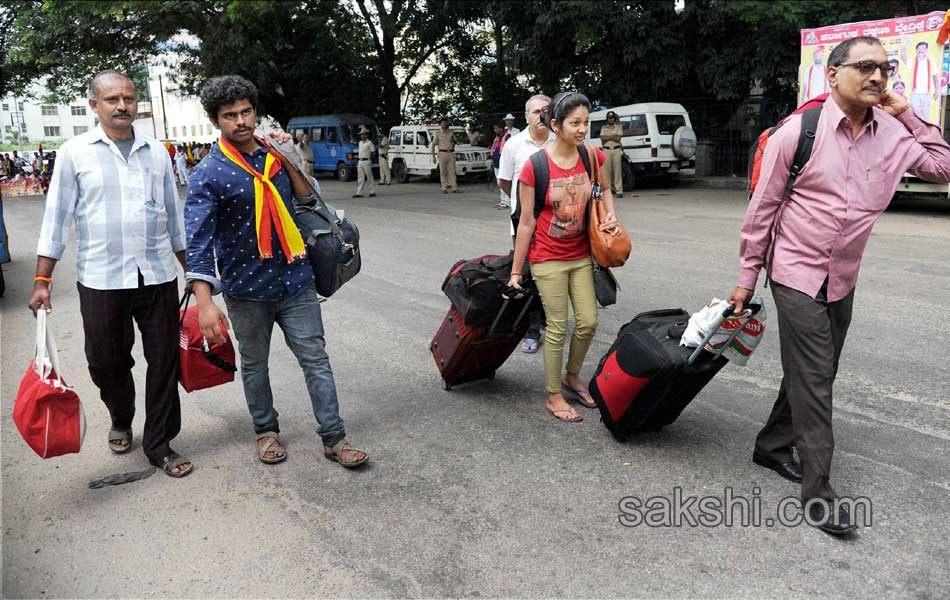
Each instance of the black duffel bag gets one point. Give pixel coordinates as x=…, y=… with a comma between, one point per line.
x=475, y=286
x=333, y=244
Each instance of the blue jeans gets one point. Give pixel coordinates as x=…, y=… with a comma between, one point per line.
x=300, y=319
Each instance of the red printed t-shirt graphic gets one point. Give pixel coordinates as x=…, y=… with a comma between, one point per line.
x=560, y=233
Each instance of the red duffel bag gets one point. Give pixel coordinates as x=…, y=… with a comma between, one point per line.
x=203, y=365
x=47, y=413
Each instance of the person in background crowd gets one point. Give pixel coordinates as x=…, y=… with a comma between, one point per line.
x=264, y=272
x=364, y=165
x=125, y=264
x=558, y=248
x=385, y=178
x=510, y=125
x=474, y=137
x=181, y=165
x=811, y=244
x=517, y=152
x=306, y=153
x=444, y=142
x=610, y=136
x=497, y=147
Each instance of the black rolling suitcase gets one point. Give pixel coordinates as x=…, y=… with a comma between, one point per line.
x=646, y=379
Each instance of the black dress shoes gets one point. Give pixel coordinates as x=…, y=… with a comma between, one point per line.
x=790, y=470
x=821, y=516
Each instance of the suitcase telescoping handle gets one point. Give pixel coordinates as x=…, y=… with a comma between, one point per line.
x=751, y=309
x=504, y=306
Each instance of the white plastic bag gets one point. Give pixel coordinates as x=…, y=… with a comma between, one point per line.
x=737, y=337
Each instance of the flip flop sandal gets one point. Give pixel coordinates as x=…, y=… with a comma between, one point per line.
x=577, y=395
x=116, y=435
x=574, y=417
x=335, y=453
x=279, y=452
x=529, y=345
x=172, y=462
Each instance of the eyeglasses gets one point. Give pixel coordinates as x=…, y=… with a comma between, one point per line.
x=867, y=67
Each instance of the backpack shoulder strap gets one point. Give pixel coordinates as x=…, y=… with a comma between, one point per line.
x=585, y=158
x=806, y=141
x=542, y=172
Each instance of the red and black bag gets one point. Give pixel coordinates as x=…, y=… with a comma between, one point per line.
x=202, y=365
x=810, y=111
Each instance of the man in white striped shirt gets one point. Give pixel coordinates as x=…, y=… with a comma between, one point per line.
x=117, y=185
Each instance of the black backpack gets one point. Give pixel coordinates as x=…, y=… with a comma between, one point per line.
x=475, y=287
x=542, y=174
x=333, y=244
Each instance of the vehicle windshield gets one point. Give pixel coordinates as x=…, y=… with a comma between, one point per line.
x=458, y=134
x=351, y=133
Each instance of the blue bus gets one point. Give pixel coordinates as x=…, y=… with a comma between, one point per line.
x=334, y=140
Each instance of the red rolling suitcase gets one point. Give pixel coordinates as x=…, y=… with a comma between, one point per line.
x=647, y=379
x=466, y=353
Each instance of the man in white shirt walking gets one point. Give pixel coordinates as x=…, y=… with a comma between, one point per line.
x=517, y=151
x=117, y=186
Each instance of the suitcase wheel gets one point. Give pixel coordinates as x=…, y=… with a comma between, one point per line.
x=446, y=386
x=491, y=375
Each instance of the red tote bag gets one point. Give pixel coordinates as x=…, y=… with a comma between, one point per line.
x=47, y=412
x=202, y=365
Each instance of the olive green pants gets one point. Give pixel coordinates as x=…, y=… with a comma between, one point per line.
x=558, y=281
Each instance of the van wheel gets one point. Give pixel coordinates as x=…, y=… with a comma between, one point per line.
x=342, y=173
x=399, y=172
x=629, y=179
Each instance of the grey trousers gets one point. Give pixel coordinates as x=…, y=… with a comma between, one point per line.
x=811, y=334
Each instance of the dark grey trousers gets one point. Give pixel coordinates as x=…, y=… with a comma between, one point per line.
x=811, y=333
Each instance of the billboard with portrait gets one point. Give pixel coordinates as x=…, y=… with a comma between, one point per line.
x=911, y=46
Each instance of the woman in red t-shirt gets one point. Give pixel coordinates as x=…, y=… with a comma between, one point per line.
x=558, y=248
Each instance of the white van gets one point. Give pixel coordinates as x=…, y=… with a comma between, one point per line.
x=658, y=140
x=410, y=153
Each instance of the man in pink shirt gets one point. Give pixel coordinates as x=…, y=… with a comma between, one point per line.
x=866, y=139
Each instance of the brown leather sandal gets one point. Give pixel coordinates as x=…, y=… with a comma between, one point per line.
x=343, y=452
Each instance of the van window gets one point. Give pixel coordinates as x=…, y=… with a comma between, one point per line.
x=635, y=125
x=595, y=127
x=298, y=132
x=333, y=135
x=668, y=124
x=351, y=133
x=422, y=139
x=395, y=138
x=409, y=138
x=317, y=134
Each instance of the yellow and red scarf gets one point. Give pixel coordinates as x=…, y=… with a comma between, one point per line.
x=270, y=211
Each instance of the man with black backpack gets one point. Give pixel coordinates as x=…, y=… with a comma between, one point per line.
x=239, y=211
x=826, y=175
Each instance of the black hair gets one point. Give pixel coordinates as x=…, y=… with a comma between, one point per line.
x=227, y=89
x=839, y=55
x=562, y=105
x=919, y=44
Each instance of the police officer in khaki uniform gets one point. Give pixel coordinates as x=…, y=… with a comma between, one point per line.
x=306, y=154
x=444, y=142
x=610, y=139
x=384, y=160
x=364, y=165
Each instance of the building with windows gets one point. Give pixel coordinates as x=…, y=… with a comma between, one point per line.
x=32, y=120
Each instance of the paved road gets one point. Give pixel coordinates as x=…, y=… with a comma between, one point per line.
x=479, y=491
